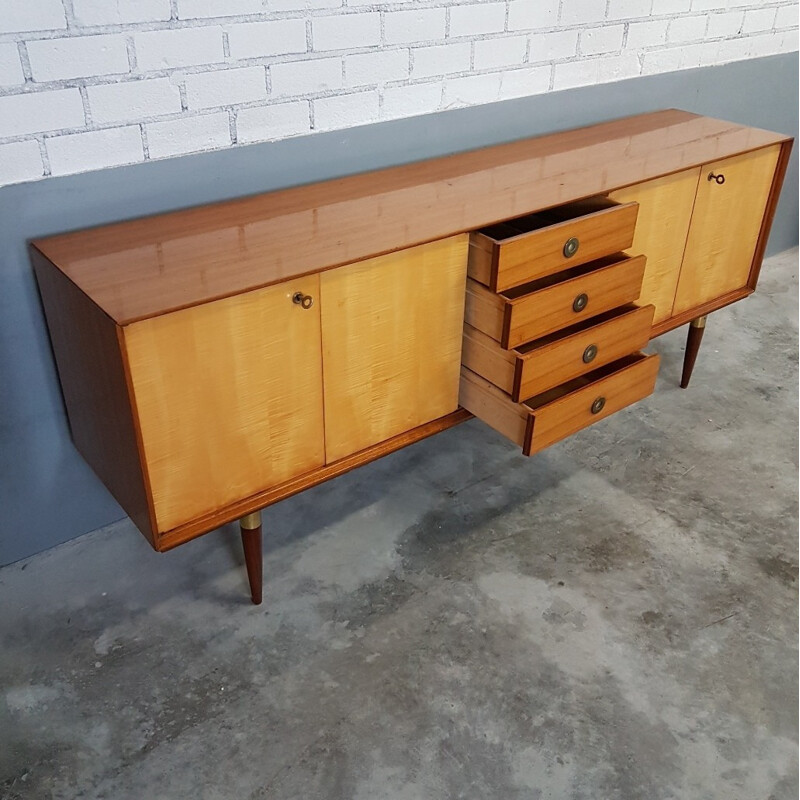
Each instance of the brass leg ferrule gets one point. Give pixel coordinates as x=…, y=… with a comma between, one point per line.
x=251, y=521
x=700, y=322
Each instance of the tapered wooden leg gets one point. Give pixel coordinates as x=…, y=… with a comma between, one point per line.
x=251, y=542
x=697, y=328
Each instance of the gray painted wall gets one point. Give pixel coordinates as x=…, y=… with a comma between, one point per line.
x=47, y=494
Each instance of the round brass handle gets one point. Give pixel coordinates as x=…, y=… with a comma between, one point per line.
x=571, y=247
x=580, y=302
x=589, y=354
x=720, y=179
x=598, y=405
x=303, y=300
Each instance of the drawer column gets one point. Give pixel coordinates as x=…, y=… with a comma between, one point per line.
x=697, y=328
x=250, y=527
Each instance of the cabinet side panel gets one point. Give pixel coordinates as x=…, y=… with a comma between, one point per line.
x=229, y=398
x=727, y=218
x=93, y=382
x=391, y=333
x=772, y=206
x=665, y=210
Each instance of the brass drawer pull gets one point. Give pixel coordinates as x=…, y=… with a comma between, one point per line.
x=303, y=300
x=598, y=405
x=720, y=179
x=571, y=246
x=589, y=354
x=579, y=303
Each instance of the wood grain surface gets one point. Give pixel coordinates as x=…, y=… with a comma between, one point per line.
x=560, y=412
x=391, y=334
x=529, y=256
x=620, y=384
x=94, y=384
x=245, y=505
x=229, y=398
x=665, y=210
x=149, y=266
x=725, y=227
x=555, y=359
x=526, y=313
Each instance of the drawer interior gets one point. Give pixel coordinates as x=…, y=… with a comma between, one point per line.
x=575, y=384
x=505, y=231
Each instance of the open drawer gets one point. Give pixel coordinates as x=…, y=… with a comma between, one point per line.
x=521, y=250
x=536, y=309
x=552, y=360
x=553, y=415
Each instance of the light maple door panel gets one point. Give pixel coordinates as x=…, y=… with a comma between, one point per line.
x=391, y=336
x=229, y=398
x=726, y=223
x=665, y=211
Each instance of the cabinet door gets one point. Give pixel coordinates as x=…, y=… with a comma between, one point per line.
x=391, y=340
x=665, y=210
x=726, y=222
x=229, y=398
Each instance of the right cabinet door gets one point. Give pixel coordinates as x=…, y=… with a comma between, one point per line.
x=728, y=212
x=391, y=343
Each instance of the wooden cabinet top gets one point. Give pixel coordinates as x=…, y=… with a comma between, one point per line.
x=150, y=266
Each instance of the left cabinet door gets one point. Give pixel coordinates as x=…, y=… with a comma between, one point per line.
x=228, y=397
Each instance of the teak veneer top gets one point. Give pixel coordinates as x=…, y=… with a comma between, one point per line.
x=150, y=266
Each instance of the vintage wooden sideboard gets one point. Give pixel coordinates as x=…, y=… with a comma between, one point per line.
x=218, y=359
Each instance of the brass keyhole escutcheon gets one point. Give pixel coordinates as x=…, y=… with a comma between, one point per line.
x=579, y=303
x=598, y=405
x=720, y=179
x=571, y=246
x=303, y=300
x=589, y=354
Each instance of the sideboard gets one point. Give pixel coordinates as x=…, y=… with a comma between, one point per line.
x=218, y=359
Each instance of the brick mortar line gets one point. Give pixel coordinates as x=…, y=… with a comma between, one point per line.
x=180, y=73
x=310, y=97
x=75, y=32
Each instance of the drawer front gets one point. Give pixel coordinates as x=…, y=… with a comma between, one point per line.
x=544, y=311
x=530, y=312
x=534, y=254
x=578, y=408
x=551, y=361
x=558, y=413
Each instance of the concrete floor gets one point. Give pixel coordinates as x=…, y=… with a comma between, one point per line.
x=613, y=618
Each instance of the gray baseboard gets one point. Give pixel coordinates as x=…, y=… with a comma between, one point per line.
x=47, y=494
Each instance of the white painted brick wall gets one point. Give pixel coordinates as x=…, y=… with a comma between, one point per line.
x=441, y=59
x=77, y=57
x=265, y=39
x=277, y=120
x=88, y=84
x=346, y=32
x=79, y=152
x=133, y=100
x=10, y=65
x=89, y=13
x=506, y=52
x=475, y=19
x=306, y=77
x=424, y=25
x=226, y=87
x=171, y=138
x=386, y=66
